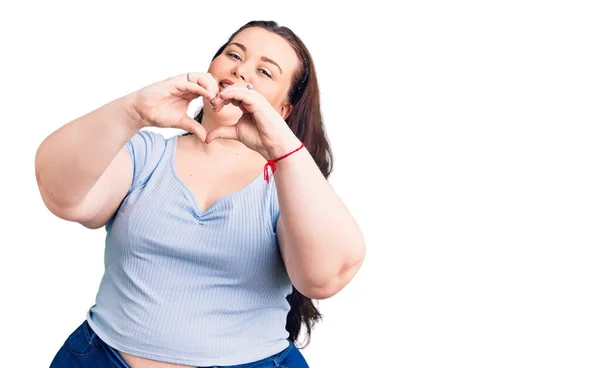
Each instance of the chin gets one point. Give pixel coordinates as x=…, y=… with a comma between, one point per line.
x=229, y=115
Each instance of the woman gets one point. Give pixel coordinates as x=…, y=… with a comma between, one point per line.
x=217, y=240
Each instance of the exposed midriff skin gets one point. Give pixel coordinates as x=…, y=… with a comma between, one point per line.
x=137, y=362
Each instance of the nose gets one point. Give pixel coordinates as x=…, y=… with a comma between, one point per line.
x=240, y=71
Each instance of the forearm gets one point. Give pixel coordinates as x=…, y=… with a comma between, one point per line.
x=71, y=160
x=322, y=240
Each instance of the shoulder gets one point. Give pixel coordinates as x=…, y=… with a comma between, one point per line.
x=147, y=144
x=146, y=150
x=147, y=138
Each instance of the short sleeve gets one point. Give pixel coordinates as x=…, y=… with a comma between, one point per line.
x=145, y=148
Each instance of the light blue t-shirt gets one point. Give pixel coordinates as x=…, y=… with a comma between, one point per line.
x=187, y=286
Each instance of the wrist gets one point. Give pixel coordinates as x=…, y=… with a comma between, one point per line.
x=282, y=147
x=281, y=151
x=135, y=119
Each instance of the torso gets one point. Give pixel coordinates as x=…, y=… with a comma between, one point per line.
x=213, y=174
x=210, y=173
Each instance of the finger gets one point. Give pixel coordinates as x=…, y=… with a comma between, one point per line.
x=219, y=101
x=223, y=132
x=195, y=89
x=205, y=80
x=190, y=125
x=235, y=103
x=216, y=102
x=249, y=99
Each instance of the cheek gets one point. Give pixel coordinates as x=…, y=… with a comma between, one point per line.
x=218, y=65
x=275, y=95
x=213, y=68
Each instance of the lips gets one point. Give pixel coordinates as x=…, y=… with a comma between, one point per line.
x=224, y=84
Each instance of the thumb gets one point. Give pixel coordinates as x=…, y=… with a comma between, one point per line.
x=223, y=132
x=190, y=125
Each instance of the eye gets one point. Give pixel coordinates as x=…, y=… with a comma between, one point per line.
x=263, y=71
x=233, y=55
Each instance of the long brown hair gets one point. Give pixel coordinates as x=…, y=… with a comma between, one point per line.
x=306, y=122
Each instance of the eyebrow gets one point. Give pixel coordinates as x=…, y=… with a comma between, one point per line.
x=263, y=58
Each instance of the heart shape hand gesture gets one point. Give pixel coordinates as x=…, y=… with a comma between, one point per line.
x=261, y=128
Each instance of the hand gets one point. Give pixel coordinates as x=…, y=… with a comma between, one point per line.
x=164, y=104
x=260, y=128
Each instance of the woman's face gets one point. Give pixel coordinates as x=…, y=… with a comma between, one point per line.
x=261, y=58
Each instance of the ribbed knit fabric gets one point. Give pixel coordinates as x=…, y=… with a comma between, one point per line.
x=187, y=286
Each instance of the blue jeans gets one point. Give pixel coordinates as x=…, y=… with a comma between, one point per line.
x=84, y=349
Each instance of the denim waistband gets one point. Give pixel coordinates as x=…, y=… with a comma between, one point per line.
x=113, y=354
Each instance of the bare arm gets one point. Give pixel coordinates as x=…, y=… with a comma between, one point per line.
x=321, y=244
x=82, y=170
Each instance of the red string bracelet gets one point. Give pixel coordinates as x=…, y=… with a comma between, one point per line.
x=272, y=162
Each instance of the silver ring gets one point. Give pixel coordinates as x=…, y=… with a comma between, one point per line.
x=249, y=86
x=188, y=77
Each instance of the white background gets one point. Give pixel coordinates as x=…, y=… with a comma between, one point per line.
x=466, y=143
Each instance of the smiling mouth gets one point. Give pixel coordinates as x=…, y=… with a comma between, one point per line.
x=224, y=84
